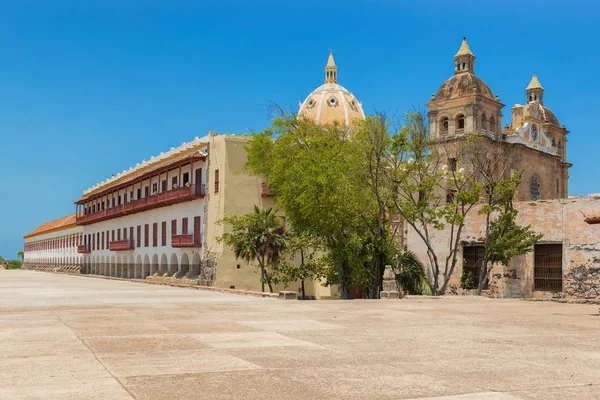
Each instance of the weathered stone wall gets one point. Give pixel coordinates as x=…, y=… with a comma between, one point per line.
x=561, y=222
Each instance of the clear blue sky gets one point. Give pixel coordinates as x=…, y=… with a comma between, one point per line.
x=89, y=88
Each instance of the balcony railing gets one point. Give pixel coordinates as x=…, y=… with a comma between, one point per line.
x=120, y=245
x=186, y=241
x=174, y=196
x=83, y=248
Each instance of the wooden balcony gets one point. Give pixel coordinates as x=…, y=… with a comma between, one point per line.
x=83, y=249
x=186, y=241
x=170, y=197
x=121, y=245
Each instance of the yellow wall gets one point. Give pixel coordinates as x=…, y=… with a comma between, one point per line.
x=238, y=193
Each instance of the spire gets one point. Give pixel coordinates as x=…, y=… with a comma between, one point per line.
x=464, y=49
x=535, y=91
x=464, y=59
x=330, y=69
x=534, y=84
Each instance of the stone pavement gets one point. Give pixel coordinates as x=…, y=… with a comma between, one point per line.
x=71, y=337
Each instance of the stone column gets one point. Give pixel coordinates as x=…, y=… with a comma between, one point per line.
x=390, y=287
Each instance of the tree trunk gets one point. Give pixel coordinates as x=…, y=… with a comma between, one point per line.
x=303, y=292
x=345, y=280
x=268, y=279
x=483, y=277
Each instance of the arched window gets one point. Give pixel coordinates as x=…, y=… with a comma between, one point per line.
x=492, y=125
x=460, y=121
x=444, y=125
x=534, y=188
x=483, y=122
x=533, y=133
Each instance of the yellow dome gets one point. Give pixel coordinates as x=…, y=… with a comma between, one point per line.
x=331, y=102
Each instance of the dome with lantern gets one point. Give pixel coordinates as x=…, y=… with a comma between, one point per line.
x=331, y=103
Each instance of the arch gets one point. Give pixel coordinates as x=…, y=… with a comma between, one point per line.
x=534, y=188
x=164, y=265
x=195, y=267
x=138, y=262
x=483, y=122
x=145, y=267
x=184, y=266
x=119, y=267
x=154, y=266
x=460, y=121
x=131, y=268
x=173, y=265
x=533, y=132
x=444, y=125
x=492, y=124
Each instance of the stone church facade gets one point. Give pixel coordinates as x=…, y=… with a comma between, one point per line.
x=535, y=143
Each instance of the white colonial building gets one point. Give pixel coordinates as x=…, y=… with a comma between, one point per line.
x=147, y=220
x=53, y=245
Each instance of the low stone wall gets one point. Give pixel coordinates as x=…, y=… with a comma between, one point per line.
x=162, y=280
x=69, y=269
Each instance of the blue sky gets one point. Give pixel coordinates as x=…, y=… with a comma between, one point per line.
x=89, y=88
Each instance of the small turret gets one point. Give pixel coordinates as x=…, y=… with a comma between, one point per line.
x=535, y=91
x=330, y=69
x=464, y=59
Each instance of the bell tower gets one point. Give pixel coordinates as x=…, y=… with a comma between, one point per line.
x=464, y=59
x=535, y=91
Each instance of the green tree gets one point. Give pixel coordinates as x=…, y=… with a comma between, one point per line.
x=258, y=236
x=504, y=239
x=21, y=254
x=411, y=275
x=1, y=259
x=318, y=177
x=430, y=195
x=313, y=264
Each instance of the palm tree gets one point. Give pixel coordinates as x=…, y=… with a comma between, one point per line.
x=411, y=275
x=21, y=254
x=258, y=236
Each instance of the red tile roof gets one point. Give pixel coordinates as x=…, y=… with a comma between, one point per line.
x=57, y=224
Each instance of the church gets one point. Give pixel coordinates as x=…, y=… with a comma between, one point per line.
x=158, y=220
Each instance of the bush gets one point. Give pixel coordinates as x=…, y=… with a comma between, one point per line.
x=13, y=265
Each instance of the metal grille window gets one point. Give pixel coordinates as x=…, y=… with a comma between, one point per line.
x=534, y=188
x=547, y=270
x=473, y=258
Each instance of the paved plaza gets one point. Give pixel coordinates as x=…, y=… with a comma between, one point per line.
x=76, y=337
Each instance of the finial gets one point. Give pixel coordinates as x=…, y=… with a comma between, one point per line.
x=432, y=96
x=474, y=88
x=497, y=97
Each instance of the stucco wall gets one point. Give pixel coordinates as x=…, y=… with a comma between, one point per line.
x=561, y=222
x=238, y=194
x=58, y=256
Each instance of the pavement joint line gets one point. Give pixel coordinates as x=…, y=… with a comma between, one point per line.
x=96, y=357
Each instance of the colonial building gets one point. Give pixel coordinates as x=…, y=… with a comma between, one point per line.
x=534, y=142
x=53, y=245
x=161, y=219
x=147, y=220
